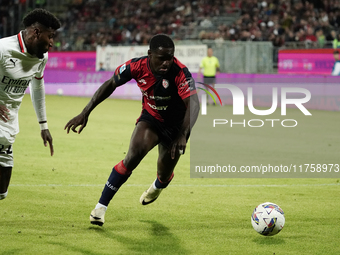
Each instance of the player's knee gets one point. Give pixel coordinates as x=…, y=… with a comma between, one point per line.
x=3, y=195
x=133, y=157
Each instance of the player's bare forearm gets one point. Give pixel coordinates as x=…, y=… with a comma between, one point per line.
x=190, y=118
x=191, y=113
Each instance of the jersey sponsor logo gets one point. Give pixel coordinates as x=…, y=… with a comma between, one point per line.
x=165, y=83
x=8, y=81
x=15, y=86
x=13, y=61
x=163, y=107
x=10, y=63
x=160, y=97
x=154, y=97
x=122, y=68
x=15, y=89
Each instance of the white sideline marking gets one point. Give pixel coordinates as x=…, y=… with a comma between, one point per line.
x=179, y=185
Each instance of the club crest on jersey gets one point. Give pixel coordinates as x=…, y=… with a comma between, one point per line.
x=165, y=83
x=122, y=68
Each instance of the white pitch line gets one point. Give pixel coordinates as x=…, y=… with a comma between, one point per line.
x=180, y=185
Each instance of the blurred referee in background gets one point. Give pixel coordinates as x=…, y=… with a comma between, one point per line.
x=211, y=68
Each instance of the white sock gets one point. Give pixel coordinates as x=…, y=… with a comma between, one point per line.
x=3, y=195
x=99, y=205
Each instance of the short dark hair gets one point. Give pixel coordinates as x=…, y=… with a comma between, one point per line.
x=161, y=40
x=43, y=17
x=336, y=52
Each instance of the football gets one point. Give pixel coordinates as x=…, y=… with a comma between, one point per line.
x=268, y=219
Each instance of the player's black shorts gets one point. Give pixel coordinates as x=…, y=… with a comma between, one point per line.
x=166, y=133
x=209, y=80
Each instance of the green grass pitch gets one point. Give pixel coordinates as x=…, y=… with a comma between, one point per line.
x=50, y=198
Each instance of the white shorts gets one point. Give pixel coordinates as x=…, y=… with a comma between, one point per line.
x=6, y=153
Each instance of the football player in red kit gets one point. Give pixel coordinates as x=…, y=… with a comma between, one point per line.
x=170, y=109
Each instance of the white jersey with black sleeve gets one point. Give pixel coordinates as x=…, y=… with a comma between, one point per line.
x=18, y=70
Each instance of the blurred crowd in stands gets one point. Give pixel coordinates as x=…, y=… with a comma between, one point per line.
x=88, y=23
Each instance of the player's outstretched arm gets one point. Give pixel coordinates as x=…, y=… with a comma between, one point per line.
x=189, y=121
x=37, y=89
x=104, y=91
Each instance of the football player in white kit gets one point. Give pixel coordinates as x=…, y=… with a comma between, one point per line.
x=22, y=62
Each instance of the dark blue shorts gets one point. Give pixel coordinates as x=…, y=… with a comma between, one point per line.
x=166, y=133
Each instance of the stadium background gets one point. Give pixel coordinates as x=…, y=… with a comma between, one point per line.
x=284, y=24
x=250, y=37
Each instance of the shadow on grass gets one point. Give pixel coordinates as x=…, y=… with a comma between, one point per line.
x=97, y=228
x=11, y=252
x=268, y=240
x=157, y=239
x=151, y=238
x=75, y=248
